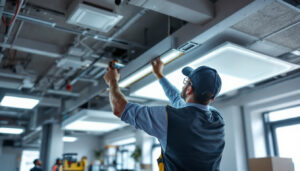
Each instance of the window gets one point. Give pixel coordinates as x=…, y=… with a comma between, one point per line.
x=156, y=151
x=28, y=156
x=282, y=133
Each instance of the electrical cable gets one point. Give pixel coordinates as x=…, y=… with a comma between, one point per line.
x=16, y=13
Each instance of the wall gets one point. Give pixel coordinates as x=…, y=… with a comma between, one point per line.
x=9, y=158
x=244, y=122
x=84, y=146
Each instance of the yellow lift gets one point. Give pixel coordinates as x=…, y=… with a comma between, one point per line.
x=70, y=162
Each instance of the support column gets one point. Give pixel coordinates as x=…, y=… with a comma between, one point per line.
x=52, y=145
x=145, y=141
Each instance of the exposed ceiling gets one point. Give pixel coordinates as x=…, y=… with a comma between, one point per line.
x=42, y=54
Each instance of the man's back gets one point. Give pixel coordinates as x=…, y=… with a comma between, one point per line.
x=36, y=169
x=195, y=139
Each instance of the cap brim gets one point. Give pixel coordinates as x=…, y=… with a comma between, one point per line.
x=187, y=70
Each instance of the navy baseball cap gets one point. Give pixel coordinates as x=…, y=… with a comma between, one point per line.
x=204, y=79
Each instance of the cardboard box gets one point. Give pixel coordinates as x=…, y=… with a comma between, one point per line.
x=271, y=164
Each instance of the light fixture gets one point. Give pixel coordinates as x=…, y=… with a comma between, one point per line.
x=166, y=58
x=69, y=139
x=94, y=121
x=87, y=16
x=19, y=101
x=237, y=67
x=296, y=52
x=11, y=130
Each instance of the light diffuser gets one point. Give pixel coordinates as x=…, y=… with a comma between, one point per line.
x=143, y=72
x=17, y=101
x=11, y=130
x=237, y=66
x=69, y=139
x=95, y=121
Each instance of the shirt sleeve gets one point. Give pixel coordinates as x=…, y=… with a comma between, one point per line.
x=172, y=93
x=151, y=119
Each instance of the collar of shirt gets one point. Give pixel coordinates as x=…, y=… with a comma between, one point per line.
x=200, y=106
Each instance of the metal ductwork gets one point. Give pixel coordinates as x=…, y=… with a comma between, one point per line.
x=193, y=11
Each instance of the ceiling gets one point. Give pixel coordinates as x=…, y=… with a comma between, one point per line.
x=42, y=53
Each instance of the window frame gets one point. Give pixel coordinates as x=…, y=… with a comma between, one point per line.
x=270, y=130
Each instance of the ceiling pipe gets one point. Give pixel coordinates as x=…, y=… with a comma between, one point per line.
x=11, y=27
x=54, y=25
x=63, y=93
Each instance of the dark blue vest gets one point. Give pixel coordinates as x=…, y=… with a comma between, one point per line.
x=195, y=140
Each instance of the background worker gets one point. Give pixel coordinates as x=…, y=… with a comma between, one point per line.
x=58, y=165
x=37, y=165
x=191, y=133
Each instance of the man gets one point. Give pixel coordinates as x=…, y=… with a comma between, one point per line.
x=191, y=133
x=58, y=165
x=37, y=165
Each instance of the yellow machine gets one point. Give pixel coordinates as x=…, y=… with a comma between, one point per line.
x=70, y=162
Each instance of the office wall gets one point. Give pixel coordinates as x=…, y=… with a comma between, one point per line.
x=244, y=122
x=84, y=146
x=9, y=159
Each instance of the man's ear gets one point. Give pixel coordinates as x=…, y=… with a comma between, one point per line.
x=189, y=90
x=212, y=100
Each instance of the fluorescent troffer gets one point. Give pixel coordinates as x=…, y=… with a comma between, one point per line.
x=238, y=67
x=166, y=58
x=11, y=130
x=69, y=139
x=91, y=17
x=19, y=101
x=95, y=121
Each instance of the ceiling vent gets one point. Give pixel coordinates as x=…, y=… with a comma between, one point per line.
x=91, y=17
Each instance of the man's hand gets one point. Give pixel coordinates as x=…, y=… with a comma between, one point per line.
x=112, y=76
x=158, y=67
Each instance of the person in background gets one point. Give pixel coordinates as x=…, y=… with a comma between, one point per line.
x=58, y=165
x=37, y=165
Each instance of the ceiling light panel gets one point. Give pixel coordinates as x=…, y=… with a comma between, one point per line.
x=166, y=58
x=11, y=130
x=91, y=17
x=19, y=101
x=95, y=121
x=69, y=139
x=238, y=67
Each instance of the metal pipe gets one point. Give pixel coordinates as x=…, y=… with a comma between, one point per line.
x=121, y=43
x=63, y=93
x=6, y=37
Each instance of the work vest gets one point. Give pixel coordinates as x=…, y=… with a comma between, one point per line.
x=195, y=140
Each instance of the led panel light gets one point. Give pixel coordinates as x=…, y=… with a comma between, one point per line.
x=69, y=139
x=11, y=130
x=95, y=121
x=145, y=71
x=237, y=67
x=19, y=101
x=94, y=18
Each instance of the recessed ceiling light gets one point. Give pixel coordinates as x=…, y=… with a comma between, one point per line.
x=92, y=121
x=69, y=139
x=296, y=52
x=19, y=101
x=238, y=67
x=143, y=72
x=11, y=130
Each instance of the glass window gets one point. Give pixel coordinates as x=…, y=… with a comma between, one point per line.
x=288, y=140
x=28, y=156
x=284, y=114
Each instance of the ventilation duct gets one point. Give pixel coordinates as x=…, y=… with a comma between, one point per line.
x=193, y=11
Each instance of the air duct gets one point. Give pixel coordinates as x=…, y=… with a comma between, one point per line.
x=193, y=11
